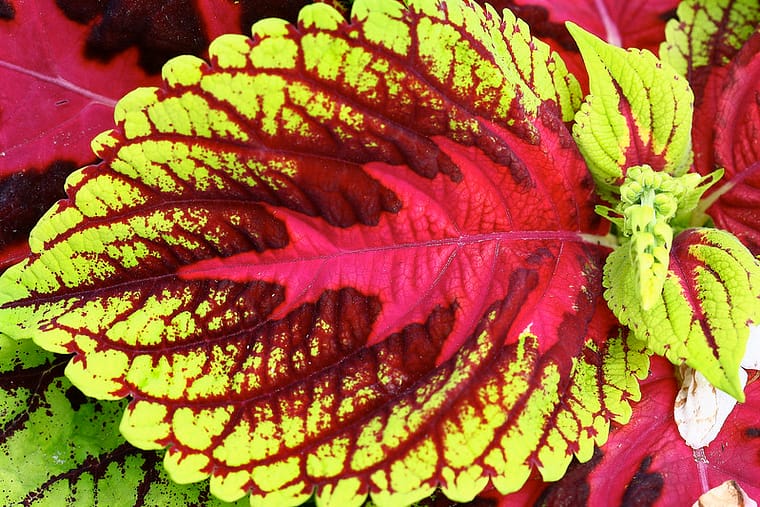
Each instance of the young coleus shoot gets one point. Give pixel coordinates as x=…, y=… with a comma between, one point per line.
x=651, y=205
x=689, y=293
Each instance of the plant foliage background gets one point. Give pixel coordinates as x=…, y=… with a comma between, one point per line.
x=60, y=447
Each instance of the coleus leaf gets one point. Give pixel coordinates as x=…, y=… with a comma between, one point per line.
x=56, y=448
x=702, y=314
x=705, y=37
x=301, y=287
x=646, y=462
x=638, y=113
x=636, y=24
x=632, y=24
x=735, y=148
x=705, y=46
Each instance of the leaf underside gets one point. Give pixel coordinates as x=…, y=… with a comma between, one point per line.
x=300, y=286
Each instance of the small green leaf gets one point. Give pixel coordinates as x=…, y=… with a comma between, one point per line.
x=702, y=316
x=638, y=112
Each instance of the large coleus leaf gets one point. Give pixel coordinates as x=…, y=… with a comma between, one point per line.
x=56, y=448
x=714, y=47
x=300, y=286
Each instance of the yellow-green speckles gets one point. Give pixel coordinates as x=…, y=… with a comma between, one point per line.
x=186, y=469
x=104, y=141
x=344, y=493
x=105, y=194
x=320, y=16
x=328, y=460
x=195, y=429
x=236, y=448
x=270, y=27
x=319, y=413
x=382, y=23
x=230, y=487
x=275, y=53
x=278, y=474
x=432, y=37
x=165, y=377
x=323, y=54
x=101, y=377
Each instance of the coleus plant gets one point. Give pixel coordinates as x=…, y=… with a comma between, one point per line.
x=368, y=256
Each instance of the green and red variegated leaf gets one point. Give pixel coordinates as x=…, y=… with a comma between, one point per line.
x=701, y=317
x=646, y=462
x=705, y=36
x=638, y=113
x=633, y=24
x=340, y=255
x=59, y=448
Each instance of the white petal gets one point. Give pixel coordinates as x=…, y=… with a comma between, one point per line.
x=751, y=359
x=728, y=494
x=701, y=409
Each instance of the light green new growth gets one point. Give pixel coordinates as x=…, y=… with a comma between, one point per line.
x=650, y=203
x=701, y=317
x=692, y=305
x=639, y=111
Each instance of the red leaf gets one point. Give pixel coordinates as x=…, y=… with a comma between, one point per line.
x=736, y=131
x=633, y=24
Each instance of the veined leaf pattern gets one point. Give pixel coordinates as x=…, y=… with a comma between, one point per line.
x=59, y=448
x=702, y=316
x=301, y=287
